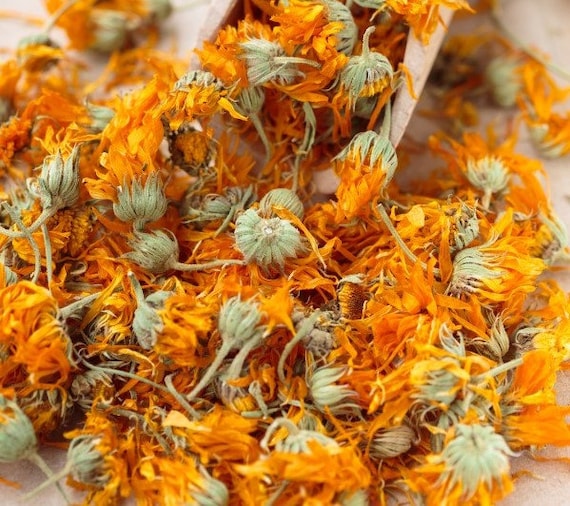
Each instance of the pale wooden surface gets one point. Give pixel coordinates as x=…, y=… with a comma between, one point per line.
x=544, y=24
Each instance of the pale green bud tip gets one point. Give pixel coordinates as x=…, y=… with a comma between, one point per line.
x=238, y=321
x=477, y=455
x=140, y=203
x=267, y=242
x=391, y=442
x=156, y=251
x=86, y=461
x=58, y=183
x=17, y=436
x=281, y=197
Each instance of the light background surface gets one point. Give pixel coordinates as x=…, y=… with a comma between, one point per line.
x=542, y=24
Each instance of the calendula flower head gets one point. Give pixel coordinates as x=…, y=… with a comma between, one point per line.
x=281, y=197
x=297, y=440
x=498, y=343
x=155, y=251
x=545, y=141
x=367, y=74
x=372, y=149
x=551, y=238
x=141, y=203
x=38, y=52
x=89, y=386
x=268, y=242
x=147, y=323
x=465, y=227
x=471, y=266
x=191, y=148
x=347, y=37
x=267, y=62
x=476, y=456
x=352, y=296
x=86, y=462
x=111, y=29
x=250, y=100
x=210, y=492
x=327, y=394
x=17, y=436
x=503, y=79
x=57, y=186
x=391, y=442
x=100, y=116
x=239, y=321
x=488, y=174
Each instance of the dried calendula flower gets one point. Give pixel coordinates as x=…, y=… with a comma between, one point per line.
x=367, y=74
x=502, y=76
x=488, y=174
x=281, y=197
x=475, y=457
x=347, y=37
x=268, y=242
x=267, y=62
x=158, y=251
x=210, y=491
x=391, y=442
x=141, y=203
x=111, y=29
x=327, y=394
x=91, y=386
x=147, y=324
x=239, y=327
x=297, y=440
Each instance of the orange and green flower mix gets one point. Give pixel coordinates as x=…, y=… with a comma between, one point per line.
x=207, y=329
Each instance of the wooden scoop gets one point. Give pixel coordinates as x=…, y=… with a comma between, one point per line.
x=418, y=59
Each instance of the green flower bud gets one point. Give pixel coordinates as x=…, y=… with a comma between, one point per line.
x=158, y=10
x=17, y=436
x=346, y=38
x=367, y=74
x=155, y=251
x=502, y=77
x=281, y=197
x=488, y=174
x=147, y=324
x=110, y=29
x=86, y=462
x=250, y=100
x=238, y=321
x=58, y=183
x=141, y=204
x=100, y=116
x=267, y=242
x=327, y=394
x=391, y=442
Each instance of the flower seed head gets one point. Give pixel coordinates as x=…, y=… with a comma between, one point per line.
x=475, y=457
x=88, y=463
x=503, y=80
x=238, y=321
x=155, y=251
x=391, y=442
x=17, y=436
x=367, y=74
x=268, y=242
x=58, y=183
x=140, y=203
x=281, y=197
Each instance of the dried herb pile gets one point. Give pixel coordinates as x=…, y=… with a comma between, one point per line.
x=184, y=311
